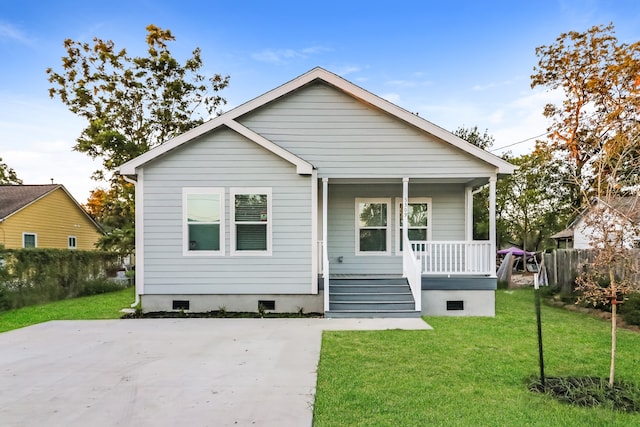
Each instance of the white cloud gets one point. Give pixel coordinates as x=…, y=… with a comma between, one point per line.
x=347, y=69
x=9, y=32
x=409, y=83
x=508, y=120
x=522, y=120
x=391, y=97
x=280, y=56
x=493, y=85
x=36, y=140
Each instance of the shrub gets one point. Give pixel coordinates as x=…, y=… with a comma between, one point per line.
x=34, y=276
x=590, y=392
x=630, y=310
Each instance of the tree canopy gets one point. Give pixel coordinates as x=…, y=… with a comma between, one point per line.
x=534, y=202
x=131, y=104
x=599, y=78
x=8, y=175
x=596, y=129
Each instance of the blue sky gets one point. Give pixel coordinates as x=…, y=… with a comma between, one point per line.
x=456, y=63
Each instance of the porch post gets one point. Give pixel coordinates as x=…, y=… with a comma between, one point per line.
x=405, y=218
x=325, y=243
x=314, y=232
x=492, y=224
x=405, y=211
x=469, y=220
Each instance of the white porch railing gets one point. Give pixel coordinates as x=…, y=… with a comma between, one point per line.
x=454, y=257
x=411, y=270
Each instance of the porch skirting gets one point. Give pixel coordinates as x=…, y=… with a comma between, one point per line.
x=459, y=283
x=459, y=303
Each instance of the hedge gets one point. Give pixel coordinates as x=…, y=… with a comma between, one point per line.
x=35, y=276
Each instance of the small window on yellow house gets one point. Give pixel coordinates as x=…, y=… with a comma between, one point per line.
x=29, y=240
x=73, y=242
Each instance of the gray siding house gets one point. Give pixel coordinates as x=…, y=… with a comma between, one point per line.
x=315, y=196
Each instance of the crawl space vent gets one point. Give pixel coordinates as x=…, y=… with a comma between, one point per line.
x=180, y=304
x=455, y=305
x=267, y=304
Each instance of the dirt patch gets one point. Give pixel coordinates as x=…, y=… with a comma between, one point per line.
x=217, y=315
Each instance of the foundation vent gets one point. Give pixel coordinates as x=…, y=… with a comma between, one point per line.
x=180, y=304
x=266, y=305
x=455, y=305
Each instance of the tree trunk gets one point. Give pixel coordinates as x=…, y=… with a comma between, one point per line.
x=614, y=309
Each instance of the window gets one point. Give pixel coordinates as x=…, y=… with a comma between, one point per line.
x=29, y=240
x=251, y=221
x=419, y=220
x=203, y=213
x=372, y=226
x=72, y=242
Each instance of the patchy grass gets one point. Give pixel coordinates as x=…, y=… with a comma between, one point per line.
x=102, y=306
x=470, y=371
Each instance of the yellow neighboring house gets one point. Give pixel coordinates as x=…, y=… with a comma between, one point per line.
x=44, y=216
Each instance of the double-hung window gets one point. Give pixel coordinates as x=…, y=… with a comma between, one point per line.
x=419, y=220
x=203, y=221
x=372, y=227
x=29, y=240
x=251, y=221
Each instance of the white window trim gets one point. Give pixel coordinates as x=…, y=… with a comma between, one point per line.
x=35, y=240
x=232, y=219
x=398, y=228
x=75, y=240
x=387, y=201
x=185, y=225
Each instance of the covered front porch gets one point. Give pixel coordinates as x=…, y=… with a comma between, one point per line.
x=421, y=239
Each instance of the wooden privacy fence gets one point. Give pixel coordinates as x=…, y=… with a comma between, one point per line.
x=563, y=266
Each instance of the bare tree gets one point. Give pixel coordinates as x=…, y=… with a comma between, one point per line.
x=612, y=222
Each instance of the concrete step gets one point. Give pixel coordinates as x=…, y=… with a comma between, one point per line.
x=371, y=296
x=350, y=314
x=371, y=305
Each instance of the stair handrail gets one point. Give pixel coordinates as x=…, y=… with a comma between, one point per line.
x=412, y=271
x=325, y=274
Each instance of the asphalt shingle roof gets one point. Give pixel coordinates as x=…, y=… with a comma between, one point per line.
x=15, y=197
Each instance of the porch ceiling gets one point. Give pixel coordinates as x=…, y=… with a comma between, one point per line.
x=474, y=182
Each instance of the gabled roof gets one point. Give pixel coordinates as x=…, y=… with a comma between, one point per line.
x=303, y=167
x=14, y=198
x=626, y=207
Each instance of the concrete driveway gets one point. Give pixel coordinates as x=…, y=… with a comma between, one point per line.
x=167, y=372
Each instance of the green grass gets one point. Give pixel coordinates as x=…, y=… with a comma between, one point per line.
x=470, y=371
x=102, y=306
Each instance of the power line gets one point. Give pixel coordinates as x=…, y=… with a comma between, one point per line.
x=520, y=142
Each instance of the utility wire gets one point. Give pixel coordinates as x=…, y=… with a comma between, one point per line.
x=519, y=142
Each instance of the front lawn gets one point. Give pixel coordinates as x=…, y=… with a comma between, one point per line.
x=102, y=306
x=470, y=371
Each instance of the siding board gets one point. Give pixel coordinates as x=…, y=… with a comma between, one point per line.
x=226, y=159
x=345, y=138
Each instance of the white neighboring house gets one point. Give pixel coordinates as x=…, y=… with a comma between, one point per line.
x=315, y=196
x=623, y=213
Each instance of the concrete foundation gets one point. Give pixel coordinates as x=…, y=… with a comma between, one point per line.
x=234, y=303
x=459, y=303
